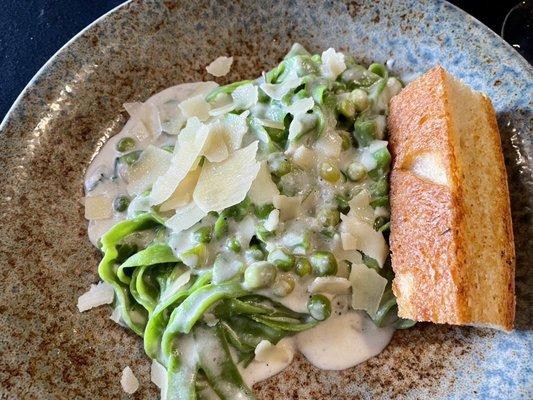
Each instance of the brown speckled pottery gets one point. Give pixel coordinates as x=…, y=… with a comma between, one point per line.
x=50, y=351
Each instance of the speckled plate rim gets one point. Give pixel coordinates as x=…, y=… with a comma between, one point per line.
x=50, y=63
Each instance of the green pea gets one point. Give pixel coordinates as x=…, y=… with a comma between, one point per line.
x=234, y=245
x=278, y=164
x=281, y=258
x=258, y=275
x=364, y=131
x=323, y=263
x=254, y=253
x=329, y=216
x=125, y=144
x=319, y=307
x=262, y=234
x=346, y=107
x=329, y=172
x=203, y=234
x=302, y=266
x=346, y=141
x=379, y=222
x=342, y=204
x=195, y=257
x=221, y=225
x=130, y=158
x=263, y=210
x=121, y=203
x=383, y=160
x=355, y=171
x=283, y=285
x=359, y=99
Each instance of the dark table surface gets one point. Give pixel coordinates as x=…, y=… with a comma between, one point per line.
x=31, y=31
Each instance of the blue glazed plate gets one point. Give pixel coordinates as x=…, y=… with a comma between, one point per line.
x=50, y=351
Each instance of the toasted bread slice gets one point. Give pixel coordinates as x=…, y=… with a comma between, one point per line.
x=451, y=235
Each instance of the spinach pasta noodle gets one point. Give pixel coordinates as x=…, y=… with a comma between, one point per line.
x=247, y=215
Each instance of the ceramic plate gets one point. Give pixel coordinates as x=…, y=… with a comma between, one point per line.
x=50, y=351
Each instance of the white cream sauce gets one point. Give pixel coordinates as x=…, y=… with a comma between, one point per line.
x=345, y=339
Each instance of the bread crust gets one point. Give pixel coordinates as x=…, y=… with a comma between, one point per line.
x=433, y=241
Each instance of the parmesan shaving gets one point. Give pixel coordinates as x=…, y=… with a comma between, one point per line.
x=147, y=114
x=191, y=143
x=267, y=352
x=278, y=90
x=332, y=63
x=330, y=284
x=288, y=206
x=195, y=107
x=183, y=193
x=220, y=66
x=263, y=189
x=235, y=129
x=301, y=106
x=369, y=241
x=185, y=217
x=129, y=382
x=304, y=157
x=367, y=288
x=272, y=221
x=222, y=185
x=152, y=163
x=215, y=149
x=98, y=295
x=98, y=207
x=245, y=96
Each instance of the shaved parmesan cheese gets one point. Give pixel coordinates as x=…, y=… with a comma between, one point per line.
x=360, y=207
x=235, y=128
x=222, y=105
x=349, y=241
x=152, y=163
x=220, y=66
x=185, y=217
x=301, y=124
x=329, y=145
x=267, y=352
x=245, y=229
x=272, y=221
x=191, y=143
x=369, y=241
x=116, y=316
x=147, y=114
x=278, y=90
x=195, y=107
x=158, y=375
x=367, y=288
x=332, y=63
x=270, y=123
x=99, y=294
x=98, y=207
x=129, y=382
x=183, y=193
x=330, y=284
x=225, y=184
x=263, y=189
x=301, y=106
x=245, y=96
x=224, y=269
x=304, y=157
x=288, y=206
x=215, y=149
